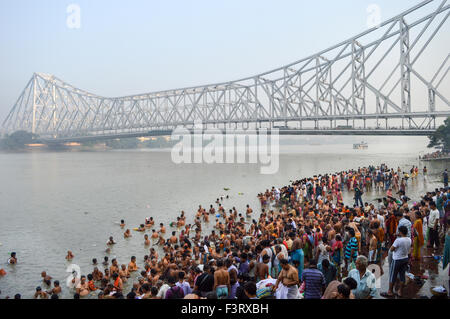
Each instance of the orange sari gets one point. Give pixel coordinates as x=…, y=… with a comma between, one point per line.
x=418, y=238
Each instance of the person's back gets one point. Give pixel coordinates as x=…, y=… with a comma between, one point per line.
x=329, y=271
x=205, y=283
x=314, y=282
x=403, y=246
x=175, y=292
x=405, y=222
x=221, y=281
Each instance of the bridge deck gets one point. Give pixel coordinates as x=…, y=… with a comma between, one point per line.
x=154, y=133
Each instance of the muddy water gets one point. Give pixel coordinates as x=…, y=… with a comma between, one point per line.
x=54, y=202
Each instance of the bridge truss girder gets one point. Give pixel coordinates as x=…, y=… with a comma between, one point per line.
x=362, y=78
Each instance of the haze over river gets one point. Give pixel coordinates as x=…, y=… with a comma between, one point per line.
x=52, y=202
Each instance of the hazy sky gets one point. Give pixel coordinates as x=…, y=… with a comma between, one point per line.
x=127, y=47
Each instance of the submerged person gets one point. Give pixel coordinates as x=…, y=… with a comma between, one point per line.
x=82, y=289
x=69, y=256
x=46, y=278
x=132, y=264
x=56, y=288
x=40, y=294
x=110, y=241
x=12, y=259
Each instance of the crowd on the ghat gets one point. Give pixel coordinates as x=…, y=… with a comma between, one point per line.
x=303, y=243
x=436, y=155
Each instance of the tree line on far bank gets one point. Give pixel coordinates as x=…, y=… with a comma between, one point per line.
x=441, y=138
x=17, y=140
x=20, y=140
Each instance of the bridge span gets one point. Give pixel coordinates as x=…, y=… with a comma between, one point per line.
x=388, y=80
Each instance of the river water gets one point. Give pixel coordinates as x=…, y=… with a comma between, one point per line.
x=51, y=202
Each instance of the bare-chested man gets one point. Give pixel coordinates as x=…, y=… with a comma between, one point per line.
x=288, y=277
x=262, y=269
x=123, y=273
x=249, y=211
x=114, y=266
x=118, y=283
x=46, y=278
x=173, y=239
x=40, y=294
x=69, y=255
x=221, y=280
x=97, y=274
x=132, y=264
x=56, y=289
x=82, y=288
x=110, y=241
x=146, y=240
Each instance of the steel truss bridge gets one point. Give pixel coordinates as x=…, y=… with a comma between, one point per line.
x=389, y=80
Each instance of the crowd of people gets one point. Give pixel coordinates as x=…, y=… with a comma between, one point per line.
x=304, y=242
x=436, y=155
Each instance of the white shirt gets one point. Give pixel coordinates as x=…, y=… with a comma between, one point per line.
x=402, y=247
x=381, y=219
x=283, y=250
x=162, y=291
x=433, y=218
x=185, y=286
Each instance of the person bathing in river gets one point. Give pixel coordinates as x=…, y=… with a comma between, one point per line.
x=146, y=240
x=69, y=256
x=110, y=241
x=132, y=264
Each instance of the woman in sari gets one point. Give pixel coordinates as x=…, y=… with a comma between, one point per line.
x=307, y=245
x=298, y=255
x=418, y=236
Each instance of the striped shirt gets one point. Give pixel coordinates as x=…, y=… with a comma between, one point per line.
x=352, y=244
x=314, y=281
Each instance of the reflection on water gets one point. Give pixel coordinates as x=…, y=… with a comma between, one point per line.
x=54, y=202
